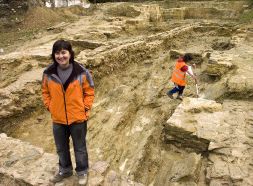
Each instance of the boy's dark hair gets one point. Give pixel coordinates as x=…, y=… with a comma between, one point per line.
x=187, y=57
x=62, y=45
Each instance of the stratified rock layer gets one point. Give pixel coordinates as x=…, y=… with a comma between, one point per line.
x=224, y=131
x=24, y=164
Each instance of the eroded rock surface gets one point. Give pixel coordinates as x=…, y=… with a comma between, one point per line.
x=24, y=164
x=131, y=49
x=222, y=130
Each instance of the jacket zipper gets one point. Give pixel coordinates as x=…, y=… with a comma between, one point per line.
x=65, y=105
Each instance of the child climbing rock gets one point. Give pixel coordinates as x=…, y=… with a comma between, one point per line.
x=179, y=75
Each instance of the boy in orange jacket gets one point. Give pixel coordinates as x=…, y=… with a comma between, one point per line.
x=179, y=76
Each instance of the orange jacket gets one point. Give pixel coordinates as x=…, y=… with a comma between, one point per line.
x=71, y=102
x=178, y=76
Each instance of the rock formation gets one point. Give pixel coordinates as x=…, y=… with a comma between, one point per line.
x=136, y=134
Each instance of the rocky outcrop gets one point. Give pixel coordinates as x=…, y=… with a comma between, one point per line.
x=19, y=95
x=209, y=127
x=184, y=128
x=241, y=85
x=222, y=44
x=24, y=164
x=195, y=13
x=123, y=9
x=218, y=67
x=19, y=158
x=131, y=59
x=107, y=59
x=232, y=73
x=235, y=5
x=203, y=9
x=22, y=95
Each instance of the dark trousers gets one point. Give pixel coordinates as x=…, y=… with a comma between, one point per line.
x=78, y=135
x=177, y=88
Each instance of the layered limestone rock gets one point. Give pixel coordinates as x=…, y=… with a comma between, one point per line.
x=194, y=131
x=185, y=170
x=241, y=85
x=109, y=58
x=206, y=126
x=19, y=158
x=196, y=13
x=222, y=44
x=218, y=66
x=24, y=164
x=21, y=95
x=22, y=91
x=117, y=55
x=235, y=5
x=132, y=59
x=233, y=72
x=138, y=17
x=123, y=9
x=203, y=9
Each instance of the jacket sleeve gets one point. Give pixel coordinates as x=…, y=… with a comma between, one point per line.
x=88, y=90
x=45, y=92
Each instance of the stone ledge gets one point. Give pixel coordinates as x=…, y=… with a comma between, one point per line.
x=224, y=131
x=192, y=124
x=25, y=164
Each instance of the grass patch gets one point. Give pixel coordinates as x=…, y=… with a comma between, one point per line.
x=247, y=16
x=19, y=28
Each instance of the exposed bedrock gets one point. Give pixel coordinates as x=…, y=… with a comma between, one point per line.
x=211, y=128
